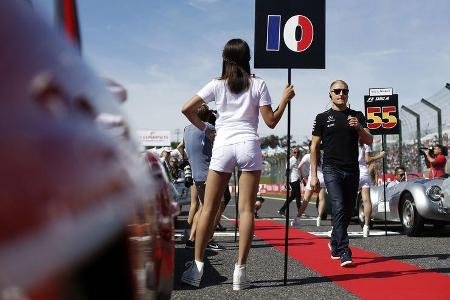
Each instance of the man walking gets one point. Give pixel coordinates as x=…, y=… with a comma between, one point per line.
x=339, y=130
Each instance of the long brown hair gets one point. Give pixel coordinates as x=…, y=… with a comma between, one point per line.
x=236, y=65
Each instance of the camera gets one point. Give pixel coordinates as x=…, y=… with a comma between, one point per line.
x=429, y=149
x=188, y=181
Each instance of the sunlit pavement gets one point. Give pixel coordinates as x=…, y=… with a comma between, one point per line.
x=429, y=253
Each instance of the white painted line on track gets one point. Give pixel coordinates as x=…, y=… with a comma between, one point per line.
x=219, y=234
x=355, y=233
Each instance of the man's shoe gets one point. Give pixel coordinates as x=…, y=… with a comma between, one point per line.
x=333, y=255
x=192, y=275
x=318, y=221
x=220, y=227
x=346, y=259
x=366, y=231
x=212, y=245
x=240, y=280
x=295, y=222
x=190, y=244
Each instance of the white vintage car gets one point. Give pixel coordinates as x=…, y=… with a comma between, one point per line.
x=412, y=203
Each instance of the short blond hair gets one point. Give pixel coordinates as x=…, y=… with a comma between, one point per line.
x=338, y=81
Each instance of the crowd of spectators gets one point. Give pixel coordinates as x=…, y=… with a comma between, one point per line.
x=275, y=164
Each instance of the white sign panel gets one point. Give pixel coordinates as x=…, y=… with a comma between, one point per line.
x=381, y=92
x=154, y=138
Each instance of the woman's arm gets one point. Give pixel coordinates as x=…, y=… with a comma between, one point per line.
x=370, y=159
x=190, y=111
x=270, y=117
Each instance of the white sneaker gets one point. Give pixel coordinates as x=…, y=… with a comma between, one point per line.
x=192, y=275
x=318, y=221
x=295, y=222
x=240, y=280
x=330, y=232
x=366, y=231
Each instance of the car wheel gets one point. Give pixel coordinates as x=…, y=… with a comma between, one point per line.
x=361, y=213
x=412, y=222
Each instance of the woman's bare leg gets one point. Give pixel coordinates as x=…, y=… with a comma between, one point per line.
x=365, y=193
x=215, y=185
x=248, y=185
x=321, y=202
x=194, y=224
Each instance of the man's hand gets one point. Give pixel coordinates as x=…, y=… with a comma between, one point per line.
x=353, y=122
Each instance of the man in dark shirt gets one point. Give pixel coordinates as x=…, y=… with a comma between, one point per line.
x=339, y=129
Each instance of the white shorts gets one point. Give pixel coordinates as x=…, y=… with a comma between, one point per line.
x=364, y=181
x=246, y=156
x=321, y=181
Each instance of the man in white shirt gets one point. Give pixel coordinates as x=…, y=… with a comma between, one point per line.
x=400, y=175
x=294, y=181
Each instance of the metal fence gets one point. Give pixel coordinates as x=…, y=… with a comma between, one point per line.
x=423, y=124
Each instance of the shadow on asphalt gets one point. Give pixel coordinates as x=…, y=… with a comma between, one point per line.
x=291, y=281
x=210, y=276
x=399, y=257
x=381, y=275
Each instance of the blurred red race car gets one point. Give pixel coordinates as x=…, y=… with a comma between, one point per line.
x=83, y=214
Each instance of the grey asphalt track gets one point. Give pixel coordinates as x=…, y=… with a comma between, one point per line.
x=430, y=251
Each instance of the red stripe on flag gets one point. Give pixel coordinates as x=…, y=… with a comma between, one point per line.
x=373, y=277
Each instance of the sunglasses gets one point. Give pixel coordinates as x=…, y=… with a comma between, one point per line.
x=338, y=91
x=401, y=174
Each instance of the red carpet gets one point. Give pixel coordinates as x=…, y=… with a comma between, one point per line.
x=372, y=277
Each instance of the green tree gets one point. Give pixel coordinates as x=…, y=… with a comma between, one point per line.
x=270, y=141
x=283, y=141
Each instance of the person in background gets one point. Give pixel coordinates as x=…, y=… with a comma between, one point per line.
x=195, y=204
x=198, y=146
x=308, y=191
x=294, y=182
x=436, y=161
x=365, y=182
x=175, y=171
x=400, y=176
x=165, y=160
x=240, y=98
x=258, y=204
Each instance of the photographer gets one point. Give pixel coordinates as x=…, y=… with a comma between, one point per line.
x=435, y=160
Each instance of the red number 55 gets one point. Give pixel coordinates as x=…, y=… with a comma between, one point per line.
x=386, y=120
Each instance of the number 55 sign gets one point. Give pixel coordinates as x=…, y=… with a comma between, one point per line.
x=382, y=114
